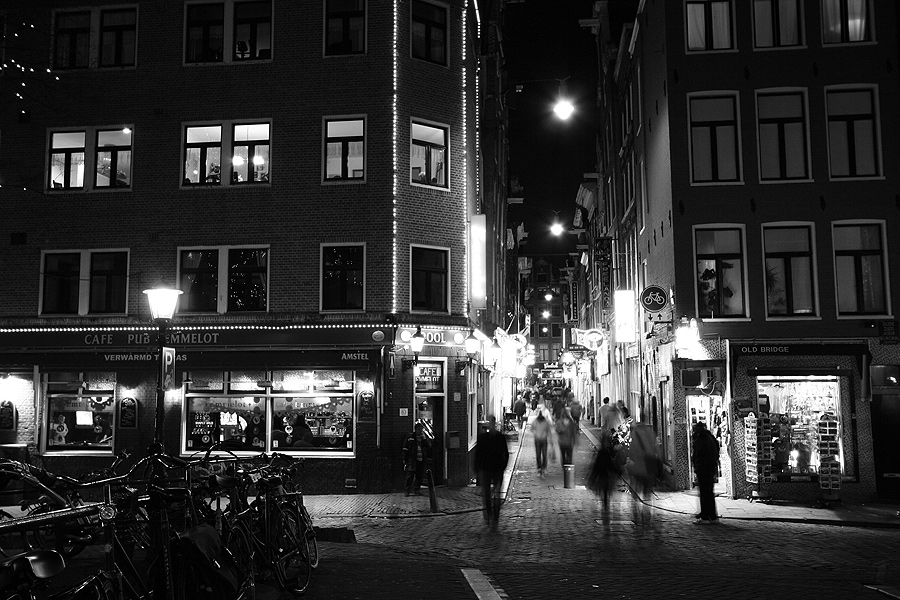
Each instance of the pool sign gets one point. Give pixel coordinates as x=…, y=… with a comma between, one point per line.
x=654, y=298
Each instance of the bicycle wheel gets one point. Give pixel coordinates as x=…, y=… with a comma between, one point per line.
x=309, y=533
x=68, y=539
x=239, y=542
x=292, y=566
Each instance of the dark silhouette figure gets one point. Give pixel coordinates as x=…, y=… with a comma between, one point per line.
x=605, y=471
x=491, y=457
x=416, y=449
x=705, y=458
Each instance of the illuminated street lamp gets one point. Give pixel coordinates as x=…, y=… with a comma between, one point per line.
x=472, y=345
x=162, y=308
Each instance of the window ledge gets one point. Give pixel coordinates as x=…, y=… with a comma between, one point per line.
x=714, y=183
x=340, y=181
x=782, y=318
x=864, y=317
x=779, y=48
x=784, y=181
x=430, y=187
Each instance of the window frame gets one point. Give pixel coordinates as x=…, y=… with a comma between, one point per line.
x=95, y=30
x=810, y=254
x=229, y=26
x=446, y=275
x=710, y=125
x=120, y=34
x=708, y=32
x=782, y=137
x=718, y=257
x=322, y=271
x=84, y=282
x=852, y=149
x=97, y=397
x=429, y=149
x=859, y=279
x=254, y=39
x=223, y=276
x=345, y=18
x=90, y=156
x=775, y=27
x=430, y=26
x=227, y=174
x=869, y=37
x=345, y=149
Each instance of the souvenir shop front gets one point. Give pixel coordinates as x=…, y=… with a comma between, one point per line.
x=800, y=420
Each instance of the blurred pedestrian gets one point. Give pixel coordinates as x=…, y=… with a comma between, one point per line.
x=540, y=429
x=576, y=410
x=491, y=458
x=565, y=434
x=558, y=406
x=623, y=410
x=705, y=459
x=605, y=471
x=534, y=401
x=519, y=408
x=415, y=453
x=644, y=468
x=604, y=413
x=614, y=417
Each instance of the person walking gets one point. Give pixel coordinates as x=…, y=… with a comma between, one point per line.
x=519, y=408
x=604, y=414
x=540, y=429
x=605, y=471
x=565, y=433
x=644, y=467
x=576, y=410
x=416, y=449
x=705, y=458
x=491, y=458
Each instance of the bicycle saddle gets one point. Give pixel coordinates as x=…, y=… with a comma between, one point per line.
x=43, y=564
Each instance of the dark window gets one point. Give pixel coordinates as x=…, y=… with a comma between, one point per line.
x=118, y=35
x=342, y=277
x=199, y=281
x=429, y=32
x=113, y=158
x=777, y=23
x=429, y=279
x=859, y=264
x=782, y=136
x=252, y=30
x=345, y=27
x=61, y=282
x=109, y=282
x=73, y=40
x=345, y=149
x=789, y=273
x=248, y=278
x=205, y=33
x=714, y=139
x=720, y=273
x=852, y=133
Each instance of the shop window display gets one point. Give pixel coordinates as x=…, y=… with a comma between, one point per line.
x=795, y=406
x=80, y=413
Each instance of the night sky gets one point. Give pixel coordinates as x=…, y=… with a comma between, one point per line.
x=544, y=42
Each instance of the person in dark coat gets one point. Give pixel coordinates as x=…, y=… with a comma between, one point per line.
x=605, y=471
x=519, y=408
x=416, y=449
x=491, y=458
x=705, y=458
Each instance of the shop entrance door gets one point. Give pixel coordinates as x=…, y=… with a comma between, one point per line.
x=886, y=444
x=430, y=412
x=708, y=409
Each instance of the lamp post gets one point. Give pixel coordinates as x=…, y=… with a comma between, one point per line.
x=162, y=309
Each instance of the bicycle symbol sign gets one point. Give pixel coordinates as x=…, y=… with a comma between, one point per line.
x=654, y=298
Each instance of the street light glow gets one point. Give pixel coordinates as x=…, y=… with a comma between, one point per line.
x=563, y=109
x=556, y=229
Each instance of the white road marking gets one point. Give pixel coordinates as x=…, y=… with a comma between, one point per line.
x=480, y=585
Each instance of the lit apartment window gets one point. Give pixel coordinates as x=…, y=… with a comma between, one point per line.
x=67, y=153
x=252, y=30
x=720, y=272
x=429, y=32
x=343, y=277
x=430, y=279
x=345, y=148
x=223, y=279
x=846, y=21
x=782, y=136
x=113, y=158
x=859, y=269
x=714, y=139
x=86, y=282
x=118, y=37
x=247, y=144
x=429, y=155
x=790, y=286
x=72, y=44
x=345, y=27
x=853, y=141
x=777, y=23
x=709, y=25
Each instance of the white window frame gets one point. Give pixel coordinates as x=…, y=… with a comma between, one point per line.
x=708, y=40
x=876, y=117
x=885, y=269
x=739, y=157
x=446, y=129
x=222, y=289
x=449, y=281
x=226, y=145
x=870, y=12
x=804, y=101
x=744, y=270
x=84, y=280
x=322, y=248
x=814, y=274
x=776, y=28
x=90, y=160
x=349, y=179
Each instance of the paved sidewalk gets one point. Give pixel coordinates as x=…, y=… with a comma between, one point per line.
x=468, y=499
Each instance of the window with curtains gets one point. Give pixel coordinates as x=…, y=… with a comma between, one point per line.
x=223, y=279
x=67, y=154
x=345, y=148
x=246, y=143
x=345, y=27
x=429, y=32
x=714, y=139
x=853, y=138
x=252, y=38
x=85, y=282
x=777, y=23
x=72, y=40
x=846, y=21
x=343, y=277
x=430, y=279
x=93, y=158
x=789, y=276
x=782, y=135
x=118, y=37
x=720, y=272
x=228, y=32
x=113, y=158
x=709, y=25
x=859, y=265
x=428, y=157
